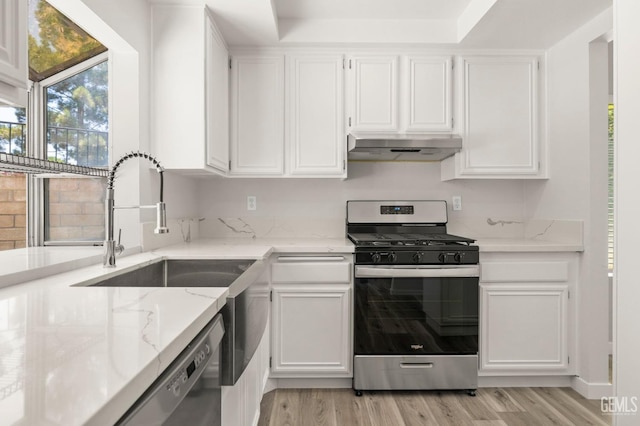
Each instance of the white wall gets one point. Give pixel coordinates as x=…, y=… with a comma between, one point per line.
x=626, y=373
x=577, y=188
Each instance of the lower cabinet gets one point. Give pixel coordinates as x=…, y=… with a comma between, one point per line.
x=526, y=321
x=311, y=317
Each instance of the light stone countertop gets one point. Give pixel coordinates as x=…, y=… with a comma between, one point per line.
x=83, y=355
x=76, y=355
x=501, y=245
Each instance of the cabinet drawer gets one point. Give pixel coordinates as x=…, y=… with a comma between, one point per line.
x=524, y=271
x=324, y=269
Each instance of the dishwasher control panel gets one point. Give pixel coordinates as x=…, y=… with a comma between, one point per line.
x=195, y=363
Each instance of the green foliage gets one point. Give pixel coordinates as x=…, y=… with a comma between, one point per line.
x=77, y=107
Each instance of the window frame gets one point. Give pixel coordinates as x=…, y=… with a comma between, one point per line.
x=37, y=147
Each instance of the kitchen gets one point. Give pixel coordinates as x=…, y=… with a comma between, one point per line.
x=286, y=207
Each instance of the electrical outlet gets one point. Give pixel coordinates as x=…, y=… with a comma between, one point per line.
x=457, y=202
x=251, y=202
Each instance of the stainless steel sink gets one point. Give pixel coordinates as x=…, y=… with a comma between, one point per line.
x=181, y=273
x=246, y=309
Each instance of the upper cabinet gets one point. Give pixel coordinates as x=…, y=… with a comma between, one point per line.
x=427, y=93
x=316, y=116
x=297, y=135
x=400, y=94
x=257, y=115
x=217, y=98
x=13, y=52
x=500, y=119
x=190, y=90
x=373, y=93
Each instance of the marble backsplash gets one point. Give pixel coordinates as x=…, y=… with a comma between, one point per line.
x=183, y=230
x=560, y=231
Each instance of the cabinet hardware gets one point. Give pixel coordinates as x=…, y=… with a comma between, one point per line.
x=269, y=362
x=349, y=121
x=349, y=63
x=343, y=61
x=344, y=165
x=270, y=295
x=229, y=62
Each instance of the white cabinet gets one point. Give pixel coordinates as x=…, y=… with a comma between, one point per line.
x=13, y=52
x=373, y=93
x=526, y=307
x=427, y=93
x=311, y=316
x=400, y=94
x=500, y=119
x=316, y=116
x=190, y=90
x=257, y=115
x=217, y=98
x=310, y=142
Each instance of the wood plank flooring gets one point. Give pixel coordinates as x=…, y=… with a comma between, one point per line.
x=491, y=407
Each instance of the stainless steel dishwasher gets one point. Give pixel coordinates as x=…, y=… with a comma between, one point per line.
x=188, y=391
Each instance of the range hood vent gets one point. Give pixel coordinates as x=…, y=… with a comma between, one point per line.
x=402, y=147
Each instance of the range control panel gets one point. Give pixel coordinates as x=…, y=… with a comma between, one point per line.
x=396, y=209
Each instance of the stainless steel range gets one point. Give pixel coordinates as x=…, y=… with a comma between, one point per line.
x=416, y=298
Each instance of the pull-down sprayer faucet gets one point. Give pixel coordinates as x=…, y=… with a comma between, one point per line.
x=110, y=247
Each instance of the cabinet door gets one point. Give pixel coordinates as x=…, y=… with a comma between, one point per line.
x=500, y=125
x=217, y=99
x=373, y=93
x=524, y=328
x=428, y=92
x=257, y=115
x=316, y=116
x=13, y=52
x=311, y=335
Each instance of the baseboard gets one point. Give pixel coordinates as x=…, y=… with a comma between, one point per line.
x=524, y=381
x=309, y=383
x=591, y=390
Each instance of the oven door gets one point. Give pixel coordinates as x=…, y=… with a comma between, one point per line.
x=416, y=310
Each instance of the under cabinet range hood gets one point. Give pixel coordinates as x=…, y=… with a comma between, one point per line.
x=402, y=147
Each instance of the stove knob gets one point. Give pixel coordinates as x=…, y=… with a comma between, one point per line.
x=375, y=257
x=392, y=257
x=457, y=257
x=442, y=257
x=417, y=257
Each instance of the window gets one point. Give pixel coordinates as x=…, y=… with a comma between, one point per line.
x=13, y=186
x=67, y=122
x=76, y=133
x=610, y=145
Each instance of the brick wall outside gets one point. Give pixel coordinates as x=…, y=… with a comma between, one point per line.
x=13, y=211
x=76, y=209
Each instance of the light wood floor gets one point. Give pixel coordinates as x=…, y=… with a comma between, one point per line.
x=491, y=407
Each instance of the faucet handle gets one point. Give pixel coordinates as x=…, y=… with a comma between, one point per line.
x=119, y=248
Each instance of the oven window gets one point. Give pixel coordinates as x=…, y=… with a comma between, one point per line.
x=416, y=316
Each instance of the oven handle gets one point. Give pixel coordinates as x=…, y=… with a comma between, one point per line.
x=425, y=271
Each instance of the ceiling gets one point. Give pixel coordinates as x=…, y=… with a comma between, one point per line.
x=509, y=24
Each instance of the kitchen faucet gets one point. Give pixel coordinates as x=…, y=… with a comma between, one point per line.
x=110, y=246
